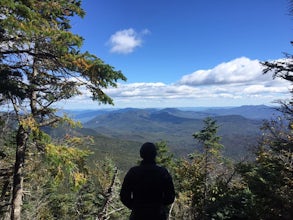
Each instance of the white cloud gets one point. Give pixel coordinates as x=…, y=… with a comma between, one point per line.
x=126, y=41
x=240, y=70
x=257, y=89
x=238, y=82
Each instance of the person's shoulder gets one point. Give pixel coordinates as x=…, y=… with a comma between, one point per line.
x=133, y=169
x=131, y=172
x=162, y=169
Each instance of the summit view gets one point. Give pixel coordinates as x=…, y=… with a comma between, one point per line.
x=167, y=109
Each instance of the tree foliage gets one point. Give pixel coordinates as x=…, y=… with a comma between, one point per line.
x=164, y=157
x=201, y=178
x=41, y=63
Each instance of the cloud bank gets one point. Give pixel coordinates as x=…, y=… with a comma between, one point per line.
x=240, y=70
x=126, y=41
x=234, y=83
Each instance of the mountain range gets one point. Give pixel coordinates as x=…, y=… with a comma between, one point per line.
x=122, y=131
x=247, y=111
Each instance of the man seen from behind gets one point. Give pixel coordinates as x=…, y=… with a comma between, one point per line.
x=148, y=188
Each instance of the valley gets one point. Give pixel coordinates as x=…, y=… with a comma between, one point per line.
x=119, y=133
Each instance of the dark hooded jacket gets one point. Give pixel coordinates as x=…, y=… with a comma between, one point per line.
x=147, y=190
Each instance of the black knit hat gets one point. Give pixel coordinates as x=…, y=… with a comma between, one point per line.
x=148, y=151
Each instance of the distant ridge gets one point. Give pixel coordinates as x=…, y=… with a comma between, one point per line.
x=119, y=133
x=239, y=126
x=247, y=111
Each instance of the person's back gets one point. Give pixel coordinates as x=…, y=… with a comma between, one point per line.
x=147, y=189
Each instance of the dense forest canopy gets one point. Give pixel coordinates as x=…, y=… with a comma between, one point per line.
x=42, y=177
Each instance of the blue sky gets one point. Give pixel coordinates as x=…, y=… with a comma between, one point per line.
x=179, y=53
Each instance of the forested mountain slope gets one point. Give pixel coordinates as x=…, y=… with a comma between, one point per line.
x=176, y=126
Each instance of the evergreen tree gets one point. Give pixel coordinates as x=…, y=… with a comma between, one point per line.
x=164, y=157
x=41, y=63
x=269, y=177
x=198, y=179
x=210, y=142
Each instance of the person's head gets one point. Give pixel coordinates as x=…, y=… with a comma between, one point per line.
x=148, y=151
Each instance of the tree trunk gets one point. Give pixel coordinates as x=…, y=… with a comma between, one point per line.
x=109, y=196
x=17, y=192
x=206, y=173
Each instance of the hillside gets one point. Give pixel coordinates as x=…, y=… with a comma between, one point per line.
x=239, y=127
